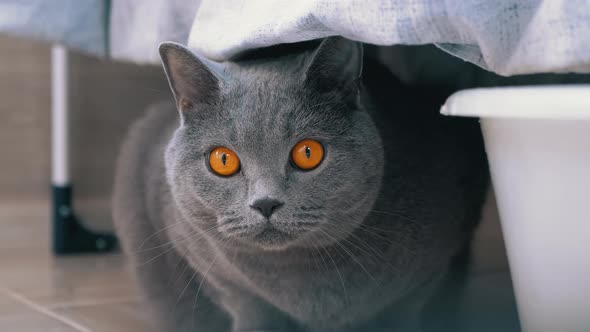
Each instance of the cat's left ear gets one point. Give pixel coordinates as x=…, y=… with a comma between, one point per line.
x=193, y=79
x=336, y=63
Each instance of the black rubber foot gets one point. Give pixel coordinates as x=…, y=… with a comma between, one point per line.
x=69, y=235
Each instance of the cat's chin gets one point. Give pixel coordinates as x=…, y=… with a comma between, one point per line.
x=272, y=239
x=262, y=234
x=269, y=238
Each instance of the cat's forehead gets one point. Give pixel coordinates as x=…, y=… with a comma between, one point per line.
x=262, y=106
x=266, y=116
x=264, y=109
x=261, y=91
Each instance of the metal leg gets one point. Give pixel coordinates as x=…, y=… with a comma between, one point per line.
x=69, y=235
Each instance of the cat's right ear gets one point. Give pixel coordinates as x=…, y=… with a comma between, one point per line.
x=191, y=81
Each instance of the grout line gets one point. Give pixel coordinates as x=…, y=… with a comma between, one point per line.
x=46, y=311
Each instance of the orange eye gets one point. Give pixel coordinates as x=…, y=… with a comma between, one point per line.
x=307, y=154
x=224, y=161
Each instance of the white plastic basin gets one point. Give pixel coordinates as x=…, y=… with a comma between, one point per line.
x=538, y=145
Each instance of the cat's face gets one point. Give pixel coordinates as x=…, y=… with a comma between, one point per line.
x=281, y=155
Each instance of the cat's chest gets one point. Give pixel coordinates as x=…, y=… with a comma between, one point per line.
x=324, y=291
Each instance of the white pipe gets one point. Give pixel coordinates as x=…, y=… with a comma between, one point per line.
x=60, y=175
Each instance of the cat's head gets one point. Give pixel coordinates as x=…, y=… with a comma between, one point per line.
x=280, y=151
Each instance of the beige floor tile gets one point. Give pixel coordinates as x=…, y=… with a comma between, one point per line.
x=33, y=323
x=29, y=268
x=11, y=307
x=18, y=317
x=126, y=317
x=25, y=224
x=57, y=282
x=65, y=294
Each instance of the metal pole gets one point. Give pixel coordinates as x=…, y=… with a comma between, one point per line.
x=60, y=175
x=69, y=235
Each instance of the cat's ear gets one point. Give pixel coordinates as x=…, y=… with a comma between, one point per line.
x=336, y=63
x=192, y=79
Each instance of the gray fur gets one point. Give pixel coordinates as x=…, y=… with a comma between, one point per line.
x=359, y=244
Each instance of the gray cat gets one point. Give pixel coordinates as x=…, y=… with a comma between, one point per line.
x=292, y=193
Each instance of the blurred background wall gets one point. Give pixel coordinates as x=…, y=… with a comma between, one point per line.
x=105, y=97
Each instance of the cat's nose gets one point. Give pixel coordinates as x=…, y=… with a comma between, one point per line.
x=266, y=206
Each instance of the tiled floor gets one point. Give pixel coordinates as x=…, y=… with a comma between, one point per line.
x=39, y=292
x=94, y=293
